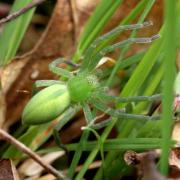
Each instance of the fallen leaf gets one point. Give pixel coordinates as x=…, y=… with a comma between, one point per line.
x=176, y=131
x=2, y=109
x=30, y=168
x=56, y=41
x=8, y=170
x=145, y=163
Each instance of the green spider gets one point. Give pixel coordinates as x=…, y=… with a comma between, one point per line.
x=83, y=86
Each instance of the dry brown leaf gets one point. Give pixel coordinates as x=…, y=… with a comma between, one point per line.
x=94, y=165
x=174, y=162
x=32, y=169
x=4, y=9
x=2, y=109
x=56, y=41
x=47, y=177
x=145, y=163
x=73, y=131
x=8, y=170
x=176, y=131
x=86, y=6
x=174, y=159
x=82, y=10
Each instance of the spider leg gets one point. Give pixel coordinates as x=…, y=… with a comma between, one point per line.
x=120, y=44
x=120, y=28
x=45, y=83
x=89, y=52
x=113, y=33
x=70, y=63
x=102, y=73
x=121, y=113
x=91, y=121
x=60, y=71
x=107, y=97
x=87, y=113
x=102, y=124
x=58, y=141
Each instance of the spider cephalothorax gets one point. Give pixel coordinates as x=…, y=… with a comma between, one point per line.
x=82, y=86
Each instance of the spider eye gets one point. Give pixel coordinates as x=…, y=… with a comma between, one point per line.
x=93, y=81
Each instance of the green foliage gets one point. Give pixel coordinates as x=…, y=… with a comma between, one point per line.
x=169, y=76
x=13, y=32
x=145, y=79
x=95, y=25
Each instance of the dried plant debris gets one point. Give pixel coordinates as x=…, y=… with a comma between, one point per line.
x=30, y=168
x=2, y=108
x=174, y=162
x=8, y=170
x=145, y=163
x=20, y=146
x=176, y=131
x=146, y=167
x=57, y=40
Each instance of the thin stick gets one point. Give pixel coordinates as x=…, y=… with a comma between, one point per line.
x=20, y=146
x=20, y=11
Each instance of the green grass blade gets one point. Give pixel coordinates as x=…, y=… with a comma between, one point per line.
x=139, y=7
x=77, y=155
x=126, y=63
x=124, y=22
x=13, y=32
x=142, y=70
x=125, y=49
x=127, y=128
x=168, y=84
x=144, y=129
x=138, y=77
x=95, y=25
x=108, y=146
x=114, y=145
x=94, y=152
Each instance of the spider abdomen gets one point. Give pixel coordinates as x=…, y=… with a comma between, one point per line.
x=46, y=105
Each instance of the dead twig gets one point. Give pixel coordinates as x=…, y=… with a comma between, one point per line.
x=30, y=153
x=20, y=11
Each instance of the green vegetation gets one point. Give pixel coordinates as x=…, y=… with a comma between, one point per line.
x=150, y=72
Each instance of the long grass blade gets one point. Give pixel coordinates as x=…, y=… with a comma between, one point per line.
x=95, y=25
x=13, y=32
x=168, y=84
